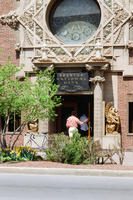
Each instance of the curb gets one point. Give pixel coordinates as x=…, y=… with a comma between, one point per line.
x=64, y=171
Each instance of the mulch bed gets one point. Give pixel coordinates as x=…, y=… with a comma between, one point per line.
x=49, y=164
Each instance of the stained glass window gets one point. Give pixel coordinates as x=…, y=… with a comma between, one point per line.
x=75, y=21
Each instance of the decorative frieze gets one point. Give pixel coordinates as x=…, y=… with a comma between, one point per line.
x=120, y=15
x=58, y=50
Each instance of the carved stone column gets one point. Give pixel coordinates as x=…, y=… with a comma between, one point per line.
x=98, y=104
x=98, y=66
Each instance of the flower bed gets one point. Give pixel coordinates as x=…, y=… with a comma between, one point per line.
x=18, y=154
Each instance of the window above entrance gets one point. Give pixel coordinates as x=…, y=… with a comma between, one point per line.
x=75, y=21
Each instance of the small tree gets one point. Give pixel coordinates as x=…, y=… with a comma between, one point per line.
x=37, y=99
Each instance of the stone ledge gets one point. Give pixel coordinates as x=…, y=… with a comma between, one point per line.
x=111, y=141
x=36, y=140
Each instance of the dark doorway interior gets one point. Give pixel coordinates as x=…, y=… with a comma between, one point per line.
x=81, y=104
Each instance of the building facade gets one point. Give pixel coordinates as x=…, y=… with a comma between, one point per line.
x=90, y=45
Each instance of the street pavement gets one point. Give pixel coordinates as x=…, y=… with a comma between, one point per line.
x=60, y=187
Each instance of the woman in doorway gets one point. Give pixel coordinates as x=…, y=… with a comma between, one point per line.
x=73, y=122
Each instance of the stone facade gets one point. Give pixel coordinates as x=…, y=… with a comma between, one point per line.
x=26, y=36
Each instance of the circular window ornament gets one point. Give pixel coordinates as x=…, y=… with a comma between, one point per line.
x=75, y=21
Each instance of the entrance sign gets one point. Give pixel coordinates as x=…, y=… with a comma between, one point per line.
x=72, y=81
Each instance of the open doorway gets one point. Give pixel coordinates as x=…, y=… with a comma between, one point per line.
x=81, y=104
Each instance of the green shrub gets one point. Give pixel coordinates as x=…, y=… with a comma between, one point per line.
x=57, y=143
x=77, y=151
x=80, y=150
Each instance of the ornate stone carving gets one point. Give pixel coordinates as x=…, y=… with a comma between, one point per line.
x=107, y=14
x=45, y=52
x=39, y=3
x=27, y=17
x=98, y=79
x=112, y=119
x=33, y=126
x=89, y=67
x=98, y=49
x=39, y=31
x=86, y=50
x=49, y=68
x=120, y=15
x=108, y=3
x=107, y=51
x=120, y=36
x=49, y=40
x=107, y=30
x=130, y=45
x=11, y=19
x=80, y=58
x=105, y=67
x=58, y=50
x=17, y=47
x=97, y=60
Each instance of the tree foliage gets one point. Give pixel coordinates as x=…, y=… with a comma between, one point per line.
x=37, y=100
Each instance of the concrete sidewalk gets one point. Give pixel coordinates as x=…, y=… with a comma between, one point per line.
x=128, y=159
x=48, y=167
x=64, y=171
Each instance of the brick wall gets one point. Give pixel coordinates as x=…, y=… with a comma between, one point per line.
x=7, y=42
x=125, y=87
x=7, y=35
